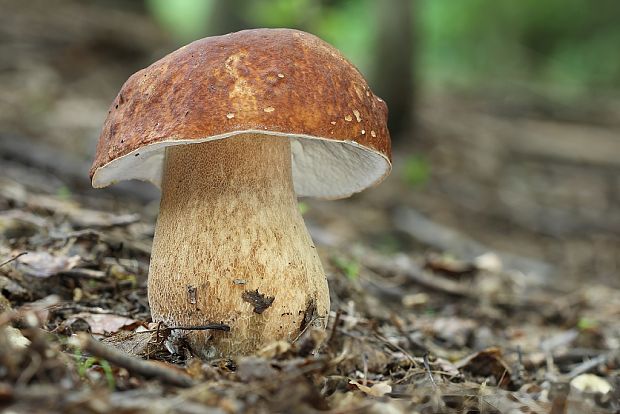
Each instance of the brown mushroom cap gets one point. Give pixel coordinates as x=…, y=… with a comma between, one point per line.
x=278, y=82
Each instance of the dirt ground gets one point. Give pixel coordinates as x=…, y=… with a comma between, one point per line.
x=491, y=286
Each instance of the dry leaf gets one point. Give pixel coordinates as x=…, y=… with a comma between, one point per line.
x=487, y=362
x=15, y=338
x=274, y=349
x=43, y=264
x=140, y=343
x=590, y=383
x=104, y=323
x=377, y=390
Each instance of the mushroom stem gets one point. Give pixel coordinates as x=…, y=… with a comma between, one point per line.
x=231, y=247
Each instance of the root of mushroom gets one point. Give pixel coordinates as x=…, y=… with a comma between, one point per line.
x=231, y=247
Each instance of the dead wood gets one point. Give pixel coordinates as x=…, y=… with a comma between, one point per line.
x=147, y=369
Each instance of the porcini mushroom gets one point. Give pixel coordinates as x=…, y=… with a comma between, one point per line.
x=232, y=128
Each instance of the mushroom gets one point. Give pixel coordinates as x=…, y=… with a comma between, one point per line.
x=232, y=128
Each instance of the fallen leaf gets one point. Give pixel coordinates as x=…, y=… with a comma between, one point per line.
x=15, y=338
x=101, y=324
x=140, y=342
x=487, y=362
x=43, y=264
x=447, y=367
x=378, y=389
x=449, y=266
x=274, y=349
x=590, y=383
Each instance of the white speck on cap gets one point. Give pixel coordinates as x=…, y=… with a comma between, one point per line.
x=269, y=109
x=230, y=115
x=348, y=118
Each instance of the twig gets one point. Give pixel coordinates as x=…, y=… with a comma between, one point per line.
x=13, y=258
x=65, y=306
x=308, y=325
x=588, y=365
x=84, y=273
x=427, y=366
x=413, y=344
x=403, y=265
x=517, y=376
x=365, y=362
x=211, y=326
x=397, y=347
x=444, y=238
x=332, y=334
x=134, y=365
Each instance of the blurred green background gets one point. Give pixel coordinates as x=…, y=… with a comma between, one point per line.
x=559, y=50
x=564, y=46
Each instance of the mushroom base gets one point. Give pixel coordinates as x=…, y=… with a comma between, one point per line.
x=231, y=247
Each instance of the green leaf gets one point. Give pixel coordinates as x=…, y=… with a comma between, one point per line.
x=109, y=375
x=350, y=267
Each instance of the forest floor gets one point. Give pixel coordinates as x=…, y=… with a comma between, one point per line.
x=413, y=328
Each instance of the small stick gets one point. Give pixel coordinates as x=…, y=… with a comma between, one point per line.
x=413, y=344
x=417, y=275
x=134, y=365
x=308, y=325
x=365, y=361
x=211, y=326
x=13, y=258
x=334, y=326
x=588, y=365
x=428, y=369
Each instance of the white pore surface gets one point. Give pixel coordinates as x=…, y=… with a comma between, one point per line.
x=321, y=168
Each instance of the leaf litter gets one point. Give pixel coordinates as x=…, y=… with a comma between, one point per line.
x=426, y=333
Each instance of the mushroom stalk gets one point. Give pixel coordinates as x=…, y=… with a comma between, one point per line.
x=231, y=247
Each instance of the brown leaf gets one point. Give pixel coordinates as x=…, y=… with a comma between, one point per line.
x=140, y=343
x=449, y=266
x=104, y=323
x=487, y=362
x=376, y=390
